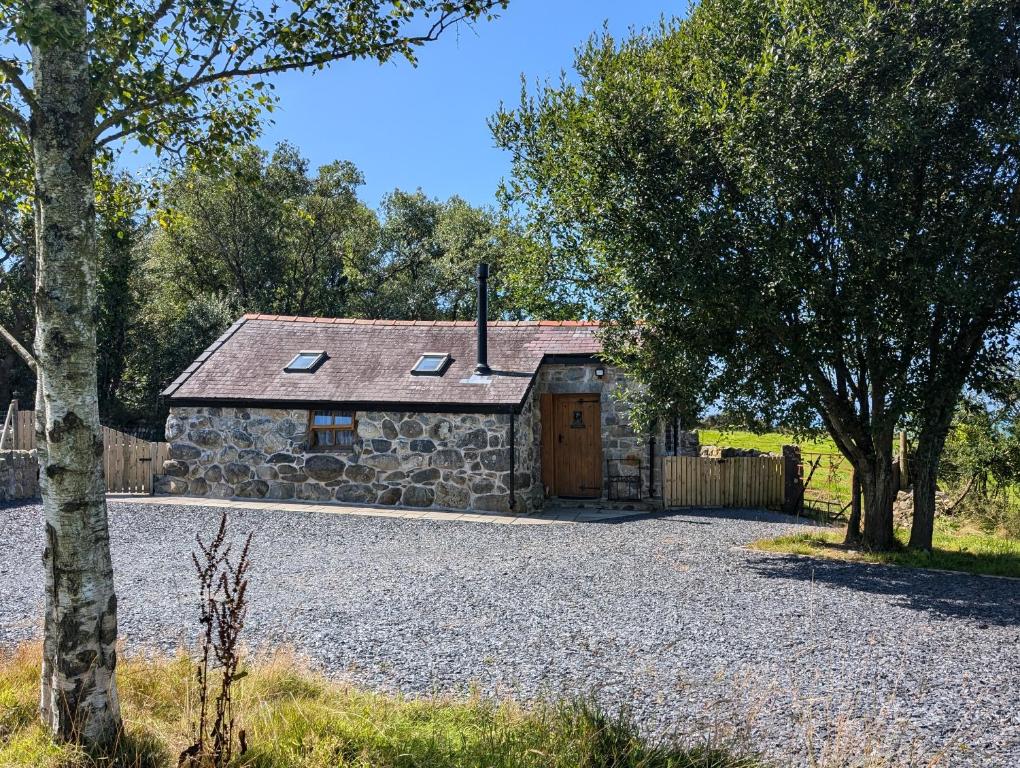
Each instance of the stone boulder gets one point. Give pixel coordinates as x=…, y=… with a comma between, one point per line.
x=206, y=438
x=903, y=507
x=389, y=497
x=235, y=472
x=384, y=462
x=418, y=496
x=356, y=493
x=496, y=459
x=175, y=468
x=493, y=502
x=184, y=451
x=428, y=475
x=324, y=467
x=359, y=473
x=453, y=496
x=411, y=428
x=252, y=489
x=727, y=452
x=447, y=458
x=280, y=490
x=312, y=492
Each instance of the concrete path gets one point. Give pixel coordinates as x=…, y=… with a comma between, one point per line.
x=561, y=514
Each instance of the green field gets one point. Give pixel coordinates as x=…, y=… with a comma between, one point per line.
x=830, y=481
x=768, y=441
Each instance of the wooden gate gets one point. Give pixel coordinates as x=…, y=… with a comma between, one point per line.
x=692, y=481
x=129, y=463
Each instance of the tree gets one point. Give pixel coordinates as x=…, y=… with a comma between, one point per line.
x=261, y=235
x=120, y=225
x=982, y=453
x=17, y=266
x=813, y=202
x=426, y=257
x=170, y=74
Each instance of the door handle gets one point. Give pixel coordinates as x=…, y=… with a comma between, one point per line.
x=560, y=437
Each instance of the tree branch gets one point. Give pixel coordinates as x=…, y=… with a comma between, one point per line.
x=16, y=119
x=201, y=78
x=23, y=353
x=10, y=71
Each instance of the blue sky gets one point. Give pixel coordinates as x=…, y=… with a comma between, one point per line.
x=426, y=127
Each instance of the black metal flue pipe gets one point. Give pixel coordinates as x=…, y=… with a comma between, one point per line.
x=482, y=368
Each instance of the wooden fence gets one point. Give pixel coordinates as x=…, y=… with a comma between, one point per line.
x=19, y=430
x=691, y=481
x=129, y=462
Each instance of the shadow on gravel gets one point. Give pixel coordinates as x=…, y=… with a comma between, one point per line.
x=958, y=596
x=748, y=515
x=705, y=516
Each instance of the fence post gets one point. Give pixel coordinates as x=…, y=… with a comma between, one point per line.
x=793, y=490
x=7, y=425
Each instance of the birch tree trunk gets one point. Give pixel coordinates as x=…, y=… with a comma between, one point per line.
x=79, y=695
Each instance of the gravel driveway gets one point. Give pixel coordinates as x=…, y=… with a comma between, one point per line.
x=664, y=615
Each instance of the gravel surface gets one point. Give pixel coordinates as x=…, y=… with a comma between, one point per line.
x=666, y=616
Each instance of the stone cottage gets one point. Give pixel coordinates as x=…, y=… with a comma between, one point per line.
x=462, y=415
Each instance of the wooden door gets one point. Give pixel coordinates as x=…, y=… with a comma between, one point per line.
x=577, y=450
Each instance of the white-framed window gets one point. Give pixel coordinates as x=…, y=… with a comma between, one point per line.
x=431, y=364
x=305, y=362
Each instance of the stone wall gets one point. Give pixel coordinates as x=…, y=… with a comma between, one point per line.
x=19, y=475
x=623, y=449
x=455, y=461
x=729, y=452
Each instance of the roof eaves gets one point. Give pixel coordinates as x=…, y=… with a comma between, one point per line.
x=209, y=351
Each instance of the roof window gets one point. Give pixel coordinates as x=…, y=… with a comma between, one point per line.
x=305, y=362
x=431, y=364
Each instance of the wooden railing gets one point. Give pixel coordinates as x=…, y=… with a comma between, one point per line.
x=129, y=463
x=692, y=481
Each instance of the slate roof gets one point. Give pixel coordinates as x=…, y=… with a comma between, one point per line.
x=369, y=362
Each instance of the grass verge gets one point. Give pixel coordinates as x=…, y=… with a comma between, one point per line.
x=956, y=548
x=297, y=719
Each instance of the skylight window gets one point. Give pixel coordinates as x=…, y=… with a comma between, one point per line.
x=305, y=362
x=431, y=364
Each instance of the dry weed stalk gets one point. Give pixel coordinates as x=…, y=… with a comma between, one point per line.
x=223, y=586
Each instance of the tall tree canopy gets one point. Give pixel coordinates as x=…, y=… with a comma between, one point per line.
x=262, y=234
x=427, y=253
x=76, y=78
x=813, y=203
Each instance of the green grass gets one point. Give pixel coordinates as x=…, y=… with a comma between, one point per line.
x=831, y=479
x=956, y=548
x=768, y=441
x=297, y=719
